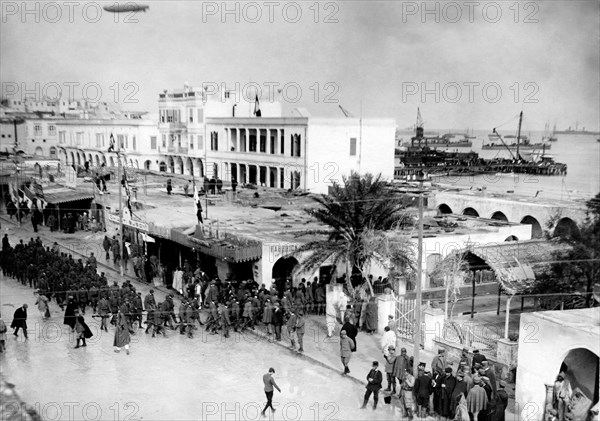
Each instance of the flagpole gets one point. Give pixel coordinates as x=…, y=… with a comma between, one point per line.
x=120, y=206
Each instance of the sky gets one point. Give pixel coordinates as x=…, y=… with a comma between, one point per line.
x=465, y=64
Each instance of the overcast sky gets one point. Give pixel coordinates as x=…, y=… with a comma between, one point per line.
x=378, y=53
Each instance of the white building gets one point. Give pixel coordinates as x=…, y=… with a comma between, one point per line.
x=218, y=135
x=555, y=341
x=271, y=150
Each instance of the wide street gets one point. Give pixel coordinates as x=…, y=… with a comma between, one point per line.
x=207, y=377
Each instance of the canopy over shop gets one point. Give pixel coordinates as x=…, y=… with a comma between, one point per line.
x=64, y=200
x=514, y=265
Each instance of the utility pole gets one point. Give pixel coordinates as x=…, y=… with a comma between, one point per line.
x=418, y=299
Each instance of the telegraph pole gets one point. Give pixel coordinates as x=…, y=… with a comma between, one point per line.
x=418, y=299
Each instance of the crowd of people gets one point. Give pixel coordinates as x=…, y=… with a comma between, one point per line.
x=467, y=391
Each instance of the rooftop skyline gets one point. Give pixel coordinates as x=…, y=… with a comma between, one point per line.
x=466, y=65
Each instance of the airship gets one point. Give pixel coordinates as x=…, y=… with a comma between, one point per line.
x=126, y=7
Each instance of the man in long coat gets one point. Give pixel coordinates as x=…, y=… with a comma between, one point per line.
x=20, y=321
x=72, y=306
x=477, y=400
x=82, y=329
x=122, y=335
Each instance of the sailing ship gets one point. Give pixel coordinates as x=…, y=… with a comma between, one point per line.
x=549, y=137
x=520, y=142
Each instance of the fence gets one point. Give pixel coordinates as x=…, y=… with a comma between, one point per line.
x=405, y=315
x=471, y=335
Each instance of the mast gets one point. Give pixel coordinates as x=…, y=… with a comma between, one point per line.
x=519, y=134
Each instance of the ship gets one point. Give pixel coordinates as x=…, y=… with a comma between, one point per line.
x=549, y=137
x=521, y=142
x=583, y=131
x=421, y=157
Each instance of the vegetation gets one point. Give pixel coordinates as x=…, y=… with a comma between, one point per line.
x=361, y=208
x=573, y=274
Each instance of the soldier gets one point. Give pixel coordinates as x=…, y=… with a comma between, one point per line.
x=300, y=322
x=94, y=294
x=103, y=312
x=138, y=308
x=224, y=320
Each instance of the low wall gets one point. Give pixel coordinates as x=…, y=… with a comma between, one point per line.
x=504, y=370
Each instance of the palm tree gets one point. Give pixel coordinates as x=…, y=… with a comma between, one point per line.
x=360, y=204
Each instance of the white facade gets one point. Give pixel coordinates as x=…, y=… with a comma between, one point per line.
x=546, y=340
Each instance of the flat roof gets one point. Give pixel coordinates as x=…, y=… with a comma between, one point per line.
x=585, y=319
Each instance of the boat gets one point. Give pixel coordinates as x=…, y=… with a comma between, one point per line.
x=519, y=143
x=577, y=131
x=549, y=137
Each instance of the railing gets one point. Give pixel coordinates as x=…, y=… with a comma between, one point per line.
x=471, y=336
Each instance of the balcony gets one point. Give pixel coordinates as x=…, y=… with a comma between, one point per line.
x=174, y=126
x=173, y=149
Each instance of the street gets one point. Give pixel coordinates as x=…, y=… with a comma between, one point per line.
x=207, y=377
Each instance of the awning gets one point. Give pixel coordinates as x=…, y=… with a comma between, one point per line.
x=516, y=263
x=65, y=195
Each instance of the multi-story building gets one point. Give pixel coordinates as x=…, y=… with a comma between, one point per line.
x=219, y=135
x=205, y=134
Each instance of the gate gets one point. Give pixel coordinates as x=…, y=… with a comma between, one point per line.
x=405, y=316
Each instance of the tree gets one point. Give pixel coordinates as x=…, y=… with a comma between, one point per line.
x=453, y=271
x=574, y=273
x=359, y=204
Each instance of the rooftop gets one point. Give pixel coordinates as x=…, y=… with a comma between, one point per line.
x=586, y=319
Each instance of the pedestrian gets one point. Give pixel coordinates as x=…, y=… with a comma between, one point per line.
x=72, y=306
x=351, y=330
x=501, y=401
x=422, y=392
x=42, y=303
x=269, y=383
x=477, y=399
x=462, y=411
x=401, y=363
x=389, y=370
x=277, y=320
x=234, y=184
x=122, y=335
x=106, y=244
x=561, y=395
x=439, y=364
x=448, y=386
x=407, y=393
x=20, y=321
x=371, y=316
x=346, y=345
x=82, y=329
x=374, y=380
x=300, y=325
x=291, y=327
x=3, y=330
x=103, y=312
x=169, y=186
x=388, y=340
x=178, y=280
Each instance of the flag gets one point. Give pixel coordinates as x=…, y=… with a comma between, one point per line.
x=196, y=198
x=126, y=187
x=419, y=119
x=111, y=146
x=257, y=107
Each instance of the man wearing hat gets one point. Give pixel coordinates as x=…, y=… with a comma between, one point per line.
x=477, y=399
x=389, y=369
x=374, y=380
x=464, y=357
x=460, y=388
x=488, y=371
x=20, y=321
x=422, y=391
x=448, y=386
x=502, y=401
x=300, y=326
x=478, y=358
x=439, y=362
